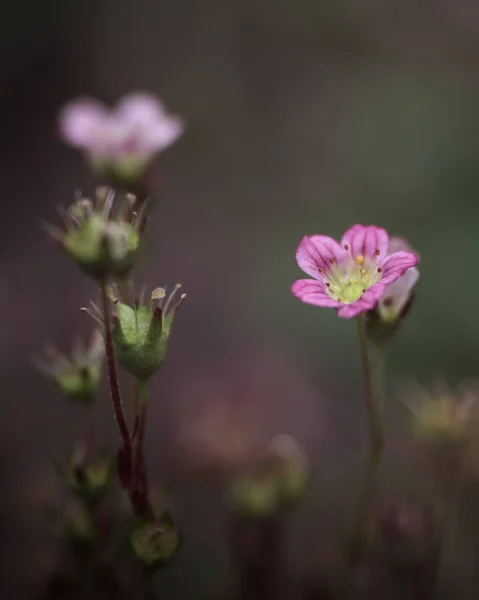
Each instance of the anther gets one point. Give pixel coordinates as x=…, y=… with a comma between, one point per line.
x=359, y=259
x=328, y=285
x=378, y=253
x=363, y=271
x=380, y=270
x=331, y=260
x=346, y=247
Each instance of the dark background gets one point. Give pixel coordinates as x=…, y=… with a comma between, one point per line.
x=302, y=117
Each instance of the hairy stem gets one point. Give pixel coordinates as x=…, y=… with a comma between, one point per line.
x=112, y=374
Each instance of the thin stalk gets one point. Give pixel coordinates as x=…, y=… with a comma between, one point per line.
x=371, y=396
x=140, y=493
x=112, y=374
x=372, y=400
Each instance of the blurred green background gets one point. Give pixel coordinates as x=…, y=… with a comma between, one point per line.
x=302, y=117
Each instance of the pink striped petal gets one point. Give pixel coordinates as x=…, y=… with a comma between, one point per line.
x=366, y=241
x=313, y=292
x=396, y=264
x=316, y=252
x=367, y=301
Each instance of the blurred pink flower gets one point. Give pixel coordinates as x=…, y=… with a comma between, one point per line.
x=350, y=276
x=124, y=138
x=398, y=295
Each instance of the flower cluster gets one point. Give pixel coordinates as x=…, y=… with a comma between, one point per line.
x=351, y=276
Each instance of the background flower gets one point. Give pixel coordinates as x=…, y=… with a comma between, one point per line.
x=124, y=138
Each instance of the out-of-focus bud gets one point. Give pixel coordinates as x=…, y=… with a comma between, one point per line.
x=292, y=467
x=444, y=418
x=120, y=143
x=88, y=475
x=140, y=333
x=255, y=495
x=78, y=527
x=155, y=542
x=78, y=376
x=409, y=538
x=103, y=237
x=384, y=320
x=278, y=481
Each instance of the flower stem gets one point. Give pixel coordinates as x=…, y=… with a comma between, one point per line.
x=372, y=393
x=371, y=396
x=140, y=494
x=112, y=374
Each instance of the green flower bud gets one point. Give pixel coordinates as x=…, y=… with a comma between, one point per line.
x=140, y=333
x=279, y=480
x=78, y=527
x=291, y=466
x=78, y=376
x=155, y=543
x=443, y=418
x=255, y=496
x=88, y=476
x=104, y=239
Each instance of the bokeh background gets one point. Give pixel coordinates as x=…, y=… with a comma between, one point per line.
x=302, y=117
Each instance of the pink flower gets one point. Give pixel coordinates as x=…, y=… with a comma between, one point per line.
x=399, y=294
x=123, y=139
x=350, y=276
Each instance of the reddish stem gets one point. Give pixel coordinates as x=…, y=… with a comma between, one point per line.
x=112, y=374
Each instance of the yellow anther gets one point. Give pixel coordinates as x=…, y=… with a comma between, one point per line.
x=363, y=271
x=359, y=259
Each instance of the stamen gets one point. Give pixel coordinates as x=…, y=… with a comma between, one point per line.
x=359, y=259
x=328, y=285
x=332, y=261
x=346, y=247
x=380, y=270
x=378, y=253
x=170, y=297
x=363, y=271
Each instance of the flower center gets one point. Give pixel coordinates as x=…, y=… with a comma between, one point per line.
x=352, y=291
x=347, y=282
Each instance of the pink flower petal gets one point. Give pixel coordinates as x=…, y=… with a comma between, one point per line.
x=140, y=108
x=81, y=121
x=366, y=241
x=164, y=133
x=313, y=292
x=315, y=252
x=367, y=301
x=396, y=264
